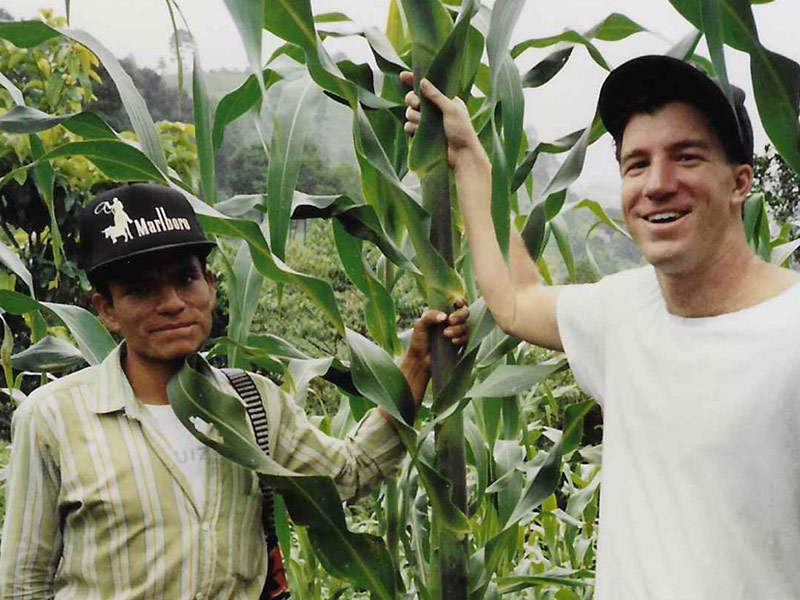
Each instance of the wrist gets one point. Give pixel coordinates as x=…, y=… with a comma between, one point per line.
x=472, y=159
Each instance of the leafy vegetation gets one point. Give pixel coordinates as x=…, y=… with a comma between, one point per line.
x=499, y=494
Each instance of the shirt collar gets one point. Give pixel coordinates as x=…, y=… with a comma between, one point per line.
x=114, y=391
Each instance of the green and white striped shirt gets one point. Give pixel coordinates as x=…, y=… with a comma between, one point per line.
x=97, y=508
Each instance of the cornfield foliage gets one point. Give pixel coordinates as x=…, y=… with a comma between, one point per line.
x=497, y=496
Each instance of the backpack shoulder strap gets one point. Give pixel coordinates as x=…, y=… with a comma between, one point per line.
x=276, y=587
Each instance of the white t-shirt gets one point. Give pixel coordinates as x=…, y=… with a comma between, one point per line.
x=700, y=497
x=187, y=451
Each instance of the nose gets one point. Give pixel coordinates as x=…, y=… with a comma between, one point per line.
x=169, y=300
x=661, y=181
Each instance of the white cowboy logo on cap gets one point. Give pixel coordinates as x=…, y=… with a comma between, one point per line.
x=122, y=222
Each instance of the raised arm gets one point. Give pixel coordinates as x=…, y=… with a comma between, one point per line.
x=519, y=302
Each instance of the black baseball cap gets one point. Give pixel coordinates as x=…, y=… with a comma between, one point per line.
x=643, y=81
x=135, y=220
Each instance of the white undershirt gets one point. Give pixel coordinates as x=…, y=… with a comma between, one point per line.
x=188, y=453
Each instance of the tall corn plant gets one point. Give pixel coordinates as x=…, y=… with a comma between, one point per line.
x=525, y=519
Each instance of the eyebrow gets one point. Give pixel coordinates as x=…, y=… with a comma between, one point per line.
x=676, y=147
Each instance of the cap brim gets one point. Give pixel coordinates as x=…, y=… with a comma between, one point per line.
x=206, y=246
x=662, y=77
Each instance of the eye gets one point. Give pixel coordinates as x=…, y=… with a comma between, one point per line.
x=635, y=166
x=688, y=157
x=186, y=277
x=137, y=288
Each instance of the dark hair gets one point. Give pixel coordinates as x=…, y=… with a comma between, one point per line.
x=121, y=270
x=655, y=102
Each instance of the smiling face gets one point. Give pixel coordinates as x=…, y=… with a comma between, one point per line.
x=681, y=198
x=162, y=307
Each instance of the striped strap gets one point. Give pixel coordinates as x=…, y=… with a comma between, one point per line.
x=276, y=586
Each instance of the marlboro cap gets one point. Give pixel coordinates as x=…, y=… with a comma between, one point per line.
x=137, y=219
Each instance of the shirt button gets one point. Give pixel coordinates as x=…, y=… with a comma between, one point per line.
x=204, y=527
x=198, y=597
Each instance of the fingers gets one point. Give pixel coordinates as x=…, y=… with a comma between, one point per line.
x=407, y=77
x=432, y=93
x=457, y=329
x=430, y=318
x=412, y=112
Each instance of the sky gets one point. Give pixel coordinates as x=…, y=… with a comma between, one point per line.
x=142, y=28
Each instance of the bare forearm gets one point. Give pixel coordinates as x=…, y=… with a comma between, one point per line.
x=474, y=185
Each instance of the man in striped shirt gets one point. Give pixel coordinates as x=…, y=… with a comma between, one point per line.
x=108, y=495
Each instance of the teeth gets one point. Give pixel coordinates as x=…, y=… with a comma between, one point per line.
x=665, y=217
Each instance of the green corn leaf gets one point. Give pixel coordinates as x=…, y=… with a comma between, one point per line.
x=614, y=27
x=572, y=166
x=243, y=292
x=312, y=501
x=6, y=347
x=561, y=235
x=504, y=17
x=22, y=119
x=248, y=95
x=234, y=105
x=319, y=291
x=44, y=177
x=360, y=221
x=377, y=377
x=712, y=26
x=381, y=381
x=429, y=25
x=544, y=482
x=92, y=338
x=134, y=104
x=684, y=49
x=11, y=260
x=563, y=578
x=378, y=304
x=275, y=354
x=118, y=160
x=443, y=285
x=429, y=147
x=16, y=95
x=203, y=107
x=501, y=201
x=48, y=355
x=776, y=78
x=397, y=29
x=563, y=144
x=293, y=21
x=509, y=380
x=547, y=68
x=385, y=55
x=296, y=111
x=534, y=232
x=249, y=17
x=597, y=209
x=90, y=126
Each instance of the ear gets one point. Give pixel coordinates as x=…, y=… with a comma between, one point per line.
x=743, y=181
x=105, y=310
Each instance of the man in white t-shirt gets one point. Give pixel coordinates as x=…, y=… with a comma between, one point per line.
x=692, y=358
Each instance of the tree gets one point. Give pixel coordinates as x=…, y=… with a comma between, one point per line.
x=164, y=103
x=779, y=183
x=492, y=500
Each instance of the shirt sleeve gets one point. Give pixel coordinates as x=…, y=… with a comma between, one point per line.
x=356, y=463
x=31, y=543
x=582, y=319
